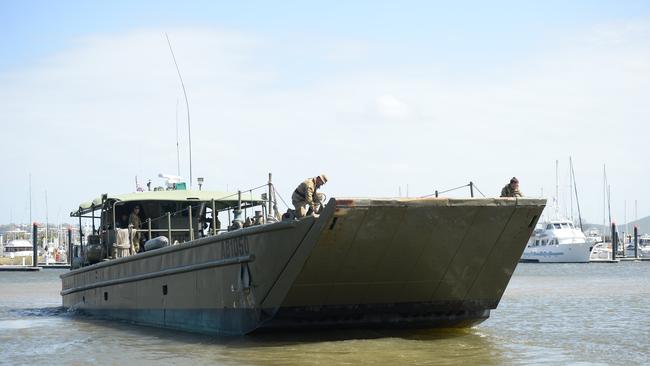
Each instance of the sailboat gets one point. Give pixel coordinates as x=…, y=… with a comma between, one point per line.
x=602, y=250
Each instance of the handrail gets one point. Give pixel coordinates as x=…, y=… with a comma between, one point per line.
x=471, y=186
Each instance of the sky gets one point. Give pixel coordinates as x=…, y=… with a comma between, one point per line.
x=386, y=98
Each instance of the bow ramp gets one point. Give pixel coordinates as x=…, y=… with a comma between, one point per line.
x=403, y=262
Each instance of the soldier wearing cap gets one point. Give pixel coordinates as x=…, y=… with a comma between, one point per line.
x=511, y=189
x=306, y=195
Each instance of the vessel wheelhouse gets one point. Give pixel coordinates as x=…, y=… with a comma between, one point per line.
x=177, y=215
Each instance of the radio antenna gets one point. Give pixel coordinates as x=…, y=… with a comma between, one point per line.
x=187, y=105
x=178, y=154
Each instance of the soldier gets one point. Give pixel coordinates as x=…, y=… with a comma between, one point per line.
x=511, y=189
x=306, y=195
x=134, y=223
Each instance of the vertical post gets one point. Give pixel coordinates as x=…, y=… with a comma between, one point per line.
x=264, y=214
x=47, y=223
x=189, y=216
x=436, y=193
x=93, y=217
x=614, y=241
x=636, y=242
x=30, y=197
x=70, y=245
x=214, y=218
x=81, y=235
x=471, y=189
x=34, y=245
x=149, y=228
x=199, y=220
x=270, y=210
x=169, y=227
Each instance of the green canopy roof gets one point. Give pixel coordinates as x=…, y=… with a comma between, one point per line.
x=225, y=198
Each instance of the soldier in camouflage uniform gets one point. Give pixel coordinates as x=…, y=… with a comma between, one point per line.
x=511, y=189
x=306, y=195
x=135, y=224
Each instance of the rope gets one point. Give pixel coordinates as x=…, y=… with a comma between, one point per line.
x=479, y=191
x=448, y=190
x=454, y=189
x=281, y=199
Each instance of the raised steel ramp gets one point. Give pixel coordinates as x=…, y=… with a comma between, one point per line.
x=368, y=257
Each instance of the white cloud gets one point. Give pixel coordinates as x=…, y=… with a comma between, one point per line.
x=104, y=111
x=390, y=107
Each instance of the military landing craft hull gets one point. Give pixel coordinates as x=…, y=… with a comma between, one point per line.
x=413, y=263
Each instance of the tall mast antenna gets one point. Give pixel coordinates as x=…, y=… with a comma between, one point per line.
x=30, y=199
x=575, y=188
x=178, y=154
x=571, y=189
x=557, y=191
x=604, y=198
x=187, y=105
x=47, y=221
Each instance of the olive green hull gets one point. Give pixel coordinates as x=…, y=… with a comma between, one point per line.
x=363, y=262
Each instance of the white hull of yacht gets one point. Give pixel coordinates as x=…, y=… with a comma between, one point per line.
x=560, y=253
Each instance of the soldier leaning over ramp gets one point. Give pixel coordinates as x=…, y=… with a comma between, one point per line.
x=305, y=195
x=512, y=189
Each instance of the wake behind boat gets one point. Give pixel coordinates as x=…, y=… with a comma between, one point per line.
x=411, y=263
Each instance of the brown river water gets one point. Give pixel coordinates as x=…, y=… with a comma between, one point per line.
x=557, y=314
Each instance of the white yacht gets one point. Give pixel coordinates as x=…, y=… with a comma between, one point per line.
x=557, y=241
x=18, y=244
x=18, y=248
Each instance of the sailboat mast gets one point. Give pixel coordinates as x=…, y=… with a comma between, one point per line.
x=575, y=187
x=604, y=199
x=30, y=199
x=571, y=183
x=609, y=203
x=625, y=217
x=557, y=190
x=47, y=221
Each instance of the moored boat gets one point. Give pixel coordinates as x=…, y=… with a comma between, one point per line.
x=413, y=263
x=18, y=245
x=557, y=241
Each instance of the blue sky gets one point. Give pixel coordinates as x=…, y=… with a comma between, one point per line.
x=429, y=94
x=33, y=29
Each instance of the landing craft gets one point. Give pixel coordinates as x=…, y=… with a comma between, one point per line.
x=364, y=262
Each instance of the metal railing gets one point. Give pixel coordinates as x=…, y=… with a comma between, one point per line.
x=214, y=230
x=471, y=186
